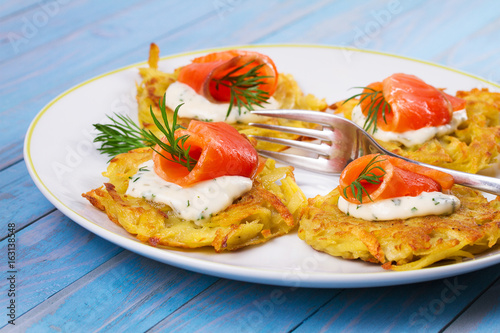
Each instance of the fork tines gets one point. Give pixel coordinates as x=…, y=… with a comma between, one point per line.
x=321, y=165
x=320, y=149
x=303, y=115
x=310, y=161
x=324, y=134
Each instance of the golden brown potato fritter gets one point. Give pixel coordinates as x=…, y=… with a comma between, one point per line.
x=403, y=244
x=268, y=210
x=288, y=93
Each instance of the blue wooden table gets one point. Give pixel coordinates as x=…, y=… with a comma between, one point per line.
x=66, y=279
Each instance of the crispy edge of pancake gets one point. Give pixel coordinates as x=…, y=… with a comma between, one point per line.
x=268, y=210
x=288, y=94
x=474, y=146
x=403, y=244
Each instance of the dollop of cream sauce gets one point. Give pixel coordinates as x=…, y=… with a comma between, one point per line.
x=427, y=203
x=198, y=107
x=197, y=202
x=415, y=137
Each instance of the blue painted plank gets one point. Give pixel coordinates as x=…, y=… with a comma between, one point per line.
x=407, y=28
x=245, y=307
x=438, y=47
x=483, y=315
x=11, y=152
x=477, y=53
x=421, y=307
x=48, y=21
x=50, y=255
x=245, y=23
x=429, y=44
x=22, y=203
x=69, y=60
x=10, y=8
x=128, y=293
x=344, y=23
x=92, y=44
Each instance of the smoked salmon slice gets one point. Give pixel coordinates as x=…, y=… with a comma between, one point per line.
x=202, y=74
x=398, y=178
x=219, y=149
x=414, y=104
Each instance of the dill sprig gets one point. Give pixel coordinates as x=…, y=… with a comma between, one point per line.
x=244, y=88
x=377, y=103
x=175, y=147
x=123, y=135
x=367, y=175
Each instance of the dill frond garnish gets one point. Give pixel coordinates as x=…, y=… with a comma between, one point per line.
x=244, y=88
x=175, y=147
x=120, y=136
x=377, y=102
x=123, y=135
x=367, y=175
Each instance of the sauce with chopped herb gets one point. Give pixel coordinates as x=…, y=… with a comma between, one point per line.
x=196, y=106
x=412, y=137
x=427, y=203
x=197, y=202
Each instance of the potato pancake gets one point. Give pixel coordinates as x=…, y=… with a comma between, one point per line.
x=474, y=146
x=408, y=244
x=268, y=210
x=288, y=94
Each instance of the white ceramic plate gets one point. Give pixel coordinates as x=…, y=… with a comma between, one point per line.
x=65, y=163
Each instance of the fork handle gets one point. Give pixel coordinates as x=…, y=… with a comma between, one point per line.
x=478, y=182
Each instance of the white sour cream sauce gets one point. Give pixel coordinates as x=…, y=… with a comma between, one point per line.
x=415, y=137
x=427, y=203
x=198, y=107
x=197, y=202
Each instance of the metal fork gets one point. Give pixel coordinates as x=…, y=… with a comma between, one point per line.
x=342, y=141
